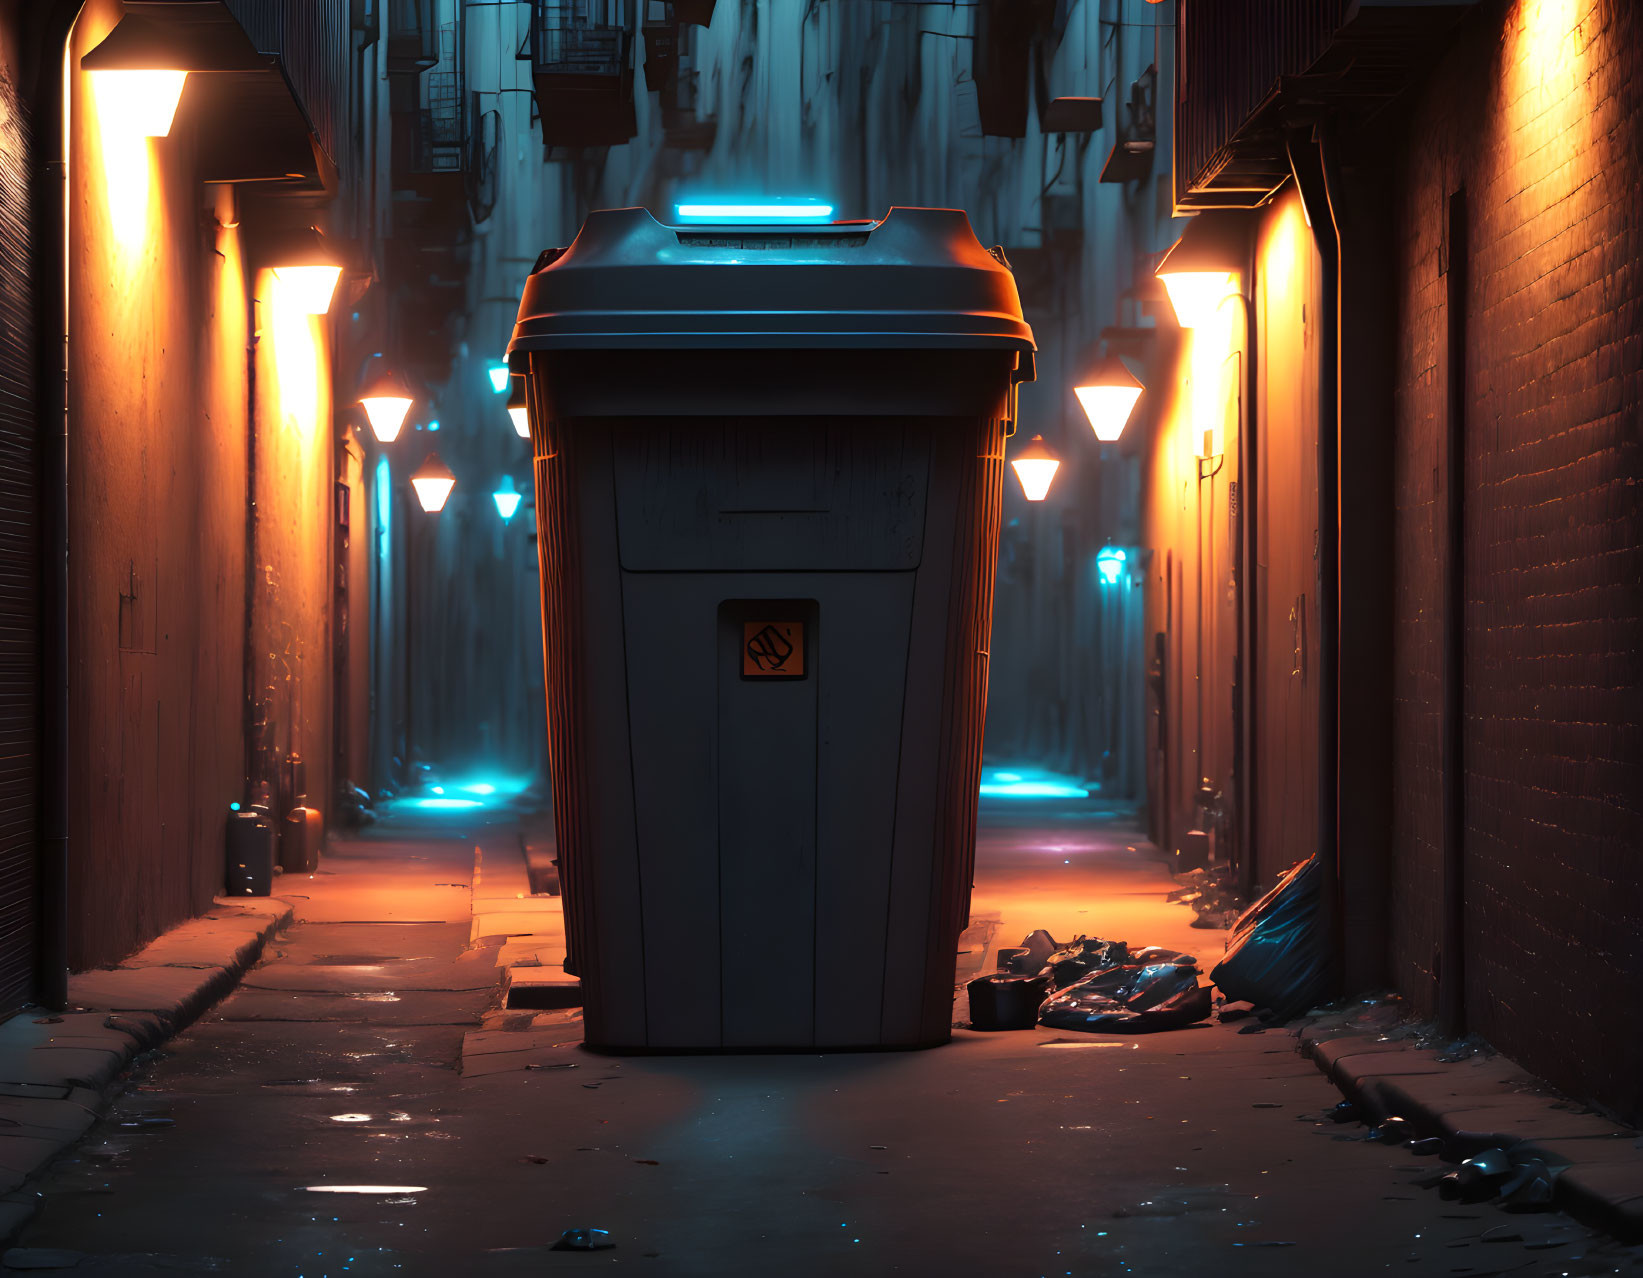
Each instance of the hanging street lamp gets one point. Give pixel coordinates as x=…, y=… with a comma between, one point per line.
x=1035, y=466
x=433, y=482
x=305, y=269
x=507, y=498
x=386, y=398
x=1107, y=391
x=1199, y=270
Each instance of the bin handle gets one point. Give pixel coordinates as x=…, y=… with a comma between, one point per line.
x=1025, y=370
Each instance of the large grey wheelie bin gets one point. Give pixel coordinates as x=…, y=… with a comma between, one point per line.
x=769, y=467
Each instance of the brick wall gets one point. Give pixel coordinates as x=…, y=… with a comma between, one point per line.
x=1536, y=112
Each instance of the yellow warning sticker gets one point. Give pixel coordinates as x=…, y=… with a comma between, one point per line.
x=773, y=649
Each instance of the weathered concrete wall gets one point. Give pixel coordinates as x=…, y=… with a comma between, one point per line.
x=162, y=329
x=296, y=509
x=157, y=487
x=1536, y=114
x=1196, y=498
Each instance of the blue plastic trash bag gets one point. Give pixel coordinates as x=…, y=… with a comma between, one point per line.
x=1276, y=957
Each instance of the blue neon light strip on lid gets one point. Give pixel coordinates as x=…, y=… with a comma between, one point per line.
x=770, y=211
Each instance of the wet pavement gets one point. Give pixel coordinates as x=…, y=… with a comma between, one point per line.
x=366, y=1053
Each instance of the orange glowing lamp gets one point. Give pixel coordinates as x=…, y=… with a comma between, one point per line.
x=1200, y=270
x=433, y=482
x=386, y=398
x=1035, y=466
x=305, y=269
x=1107, y=392
x=145, y=102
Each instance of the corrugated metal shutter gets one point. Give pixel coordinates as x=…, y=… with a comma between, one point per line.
x=19, y=566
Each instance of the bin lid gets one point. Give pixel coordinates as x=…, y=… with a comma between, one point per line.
x=917, y=279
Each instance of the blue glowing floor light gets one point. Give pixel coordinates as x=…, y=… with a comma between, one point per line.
x=1030, y=783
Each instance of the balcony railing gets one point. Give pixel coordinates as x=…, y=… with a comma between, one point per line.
x=1241, y=64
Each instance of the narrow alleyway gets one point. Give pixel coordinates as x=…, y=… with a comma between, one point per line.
x=340, y=1063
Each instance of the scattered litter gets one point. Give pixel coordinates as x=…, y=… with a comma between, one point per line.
x=1345, y=1112
x=1276, y=958
x=1430, y=1147
x=1530, y=1186
x=584, y=1240
x=1033, y=952
x=1393, y=1131
x=1006, y=1000
x=1477, y=1179
x=147, y=1124
x=1098, y=985
x=555, y=1065
x=1157, y=996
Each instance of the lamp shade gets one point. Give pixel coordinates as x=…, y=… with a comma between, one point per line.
x=1035, y=466
x=518, y=410
x=1107, y=392
x=386, y=398
x=1199, y=269
x=433, y=482
x=507, y=498
x=139, y=68
x=305, y=268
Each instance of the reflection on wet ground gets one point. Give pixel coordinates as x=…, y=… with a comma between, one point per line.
x=361, y=1106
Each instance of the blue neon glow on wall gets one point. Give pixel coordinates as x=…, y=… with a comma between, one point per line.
x=385, y=509
x=729, y=213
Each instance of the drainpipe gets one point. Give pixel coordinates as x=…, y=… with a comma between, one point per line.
x=1452, y=934
x=51, y=260
x=253, y=724
x=1312, y=162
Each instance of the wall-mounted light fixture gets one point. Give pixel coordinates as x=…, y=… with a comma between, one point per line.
x=305, y=269
x=139, y=68
x=1107, y=390
x=386, y=398
x=517, y=409
x=433, y=482
x=1110, y=562
x=507, y=498
x=1035, y=466
x=1200, y=270
x=144, y=101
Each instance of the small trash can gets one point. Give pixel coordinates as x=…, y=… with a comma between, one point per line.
x=769, y=469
